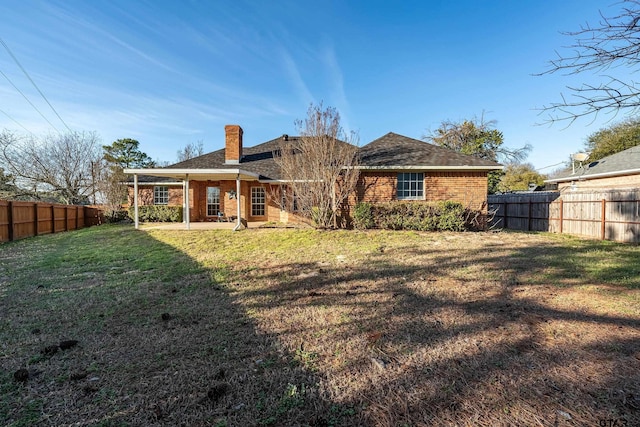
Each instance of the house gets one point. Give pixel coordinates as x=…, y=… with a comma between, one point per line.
x=617, y=171
x=239, y=182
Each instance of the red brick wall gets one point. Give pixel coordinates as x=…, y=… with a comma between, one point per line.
x=468, y=188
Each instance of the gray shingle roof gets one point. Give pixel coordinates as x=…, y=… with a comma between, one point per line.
x=393, y=150
x=390, y=151
x=257, y=159
x=624, y=161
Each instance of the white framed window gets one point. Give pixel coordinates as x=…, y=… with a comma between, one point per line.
x=160, y=195
x=258, y=201
x=410, y=186
x=213, y=201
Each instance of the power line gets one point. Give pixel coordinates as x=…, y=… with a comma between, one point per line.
x=33, y=83
x=15, y=121
x=29, y=101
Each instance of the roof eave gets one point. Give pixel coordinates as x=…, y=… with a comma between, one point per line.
x=428, y=168
x=182, y=173
x=595, y=175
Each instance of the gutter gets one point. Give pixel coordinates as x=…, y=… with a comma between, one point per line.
x=595, y=175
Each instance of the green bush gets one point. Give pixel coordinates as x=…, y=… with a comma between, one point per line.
x=451, y=216
x=157, y=213
x=363, y=216
x=116, y=215
x=419, y=216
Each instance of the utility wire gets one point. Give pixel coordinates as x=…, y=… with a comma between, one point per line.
x=15, y=121
x=33, y=83
x=550, y=166
x=28, y=100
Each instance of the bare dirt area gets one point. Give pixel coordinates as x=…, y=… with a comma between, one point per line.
x=300, y=327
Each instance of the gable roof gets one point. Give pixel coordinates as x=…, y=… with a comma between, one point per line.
x=393, y=151
x=389, y=152
x=625, y=162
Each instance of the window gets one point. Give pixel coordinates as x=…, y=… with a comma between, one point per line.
x=258, y=201
x=411, y=186
x=213, y=201
x=160, y=195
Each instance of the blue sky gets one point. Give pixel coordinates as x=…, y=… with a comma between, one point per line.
x=168, y=73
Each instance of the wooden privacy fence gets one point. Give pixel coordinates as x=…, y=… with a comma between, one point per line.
x=26, y=219
x=606, y=214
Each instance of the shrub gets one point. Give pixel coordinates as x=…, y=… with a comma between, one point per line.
x=441, y=216
x=363, y=216
x=156, y=213
x=116, y=215
x=451, y=216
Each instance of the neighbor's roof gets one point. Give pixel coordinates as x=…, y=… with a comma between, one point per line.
x=625, y=162
x=393, y=151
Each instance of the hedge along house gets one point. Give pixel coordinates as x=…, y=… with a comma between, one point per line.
x=242, y=183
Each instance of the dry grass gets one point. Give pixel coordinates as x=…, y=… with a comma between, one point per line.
x=297, y=327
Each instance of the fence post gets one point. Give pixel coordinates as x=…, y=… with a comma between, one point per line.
x=77, y=219
x=66, y=218
x=10, y=215
x=53, y=218
x=603, y=220
x=529, y=218
x=35, y=219
x=561, y=214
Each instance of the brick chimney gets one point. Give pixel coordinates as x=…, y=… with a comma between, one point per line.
x=233, y=144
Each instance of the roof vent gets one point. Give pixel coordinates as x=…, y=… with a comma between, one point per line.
x=285, y=137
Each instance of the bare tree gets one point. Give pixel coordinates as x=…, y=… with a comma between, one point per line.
x=191, y=150
x=611, y=45
x=64, y=164
x=319, y=167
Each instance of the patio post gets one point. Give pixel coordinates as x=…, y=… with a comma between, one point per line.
x=184, y=200
x=239, y=211
x=186, y=203
x=135, y=200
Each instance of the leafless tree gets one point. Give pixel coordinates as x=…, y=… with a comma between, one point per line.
x=62, y=164
x=319, y=167
x=611, y=45
x=191, y=150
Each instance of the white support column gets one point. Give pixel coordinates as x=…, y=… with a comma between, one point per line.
x=135, y=200
x=186, y=202
x=239, y=210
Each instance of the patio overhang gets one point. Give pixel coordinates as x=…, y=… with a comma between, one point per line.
x=196, y=174
x=187, y=175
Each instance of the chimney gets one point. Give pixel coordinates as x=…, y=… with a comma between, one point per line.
x=233, y=144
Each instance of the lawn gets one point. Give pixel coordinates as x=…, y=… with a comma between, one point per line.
x=304, y=327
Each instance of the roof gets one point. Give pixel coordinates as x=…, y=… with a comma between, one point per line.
x=625, y=162
x=257, y=159
x=393, y=151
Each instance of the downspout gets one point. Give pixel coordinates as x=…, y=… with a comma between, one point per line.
x=135, y=200
x=186, y=202
x=239, y=211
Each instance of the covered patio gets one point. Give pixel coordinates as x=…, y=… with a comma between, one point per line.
x=188, y=175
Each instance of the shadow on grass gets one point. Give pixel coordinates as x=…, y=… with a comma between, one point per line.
x=488, y=335
x=161, y=341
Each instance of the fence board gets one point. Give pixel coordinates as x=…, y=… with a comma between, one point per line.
x=603, y=214
x=25, y=219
